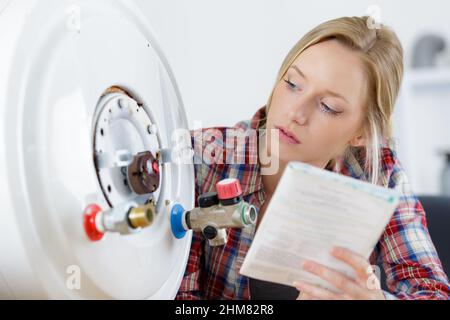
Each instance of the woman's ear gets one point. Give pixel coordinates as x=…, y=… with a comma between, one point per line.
x=359, y=140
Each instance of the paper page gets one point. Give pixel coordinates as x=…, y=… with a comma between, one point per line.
x=311, y=211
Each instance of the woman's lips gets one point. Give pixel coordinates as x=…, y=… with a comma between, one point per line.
x=287, y=136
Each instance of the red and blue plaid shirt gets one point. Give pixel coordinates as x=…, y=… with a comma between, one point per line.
x=408, y=256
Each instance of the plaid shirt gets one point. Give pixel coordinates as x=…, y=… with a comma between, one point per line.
x=408, y=256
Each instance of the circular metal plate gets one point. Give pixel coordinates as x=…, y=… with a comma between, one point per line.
x=122, y=129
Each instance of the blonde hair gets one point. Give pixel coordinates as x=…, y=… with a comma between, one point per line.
x=382, y=56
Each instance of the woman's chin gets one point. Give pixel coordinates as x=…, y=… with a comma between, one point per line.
x=285, y=158
x=289, y=152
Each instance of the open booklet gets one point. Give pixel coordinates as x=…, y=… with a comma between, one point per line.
x=311, y=211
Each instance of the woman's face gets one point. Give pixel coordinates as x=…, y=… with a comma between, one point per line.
x=320, y=102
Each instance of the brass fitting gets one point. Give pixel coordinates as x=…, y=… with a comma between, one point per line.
x=142, y=216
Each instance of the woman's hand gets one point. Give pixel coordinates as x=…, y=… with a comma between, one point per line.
x=366, y=286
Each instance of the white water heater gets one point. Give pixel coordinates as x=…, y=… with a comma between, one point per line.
x=88, y=106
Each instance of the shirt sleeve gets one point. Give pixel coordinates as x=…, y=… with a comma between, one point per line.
x=409, y=258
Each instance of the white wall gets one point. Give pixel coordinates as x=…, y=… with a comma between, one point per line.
x=225, y=54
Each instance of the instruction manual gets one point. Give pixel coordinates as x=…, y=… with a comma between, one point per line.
x=311, y=211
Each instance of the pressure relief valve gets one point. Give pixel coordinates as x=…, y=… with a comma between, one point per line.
x=216, y=212
x=126, y=218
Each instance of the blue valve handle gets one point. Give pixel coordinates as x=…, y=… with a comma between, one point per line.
x=176, y=221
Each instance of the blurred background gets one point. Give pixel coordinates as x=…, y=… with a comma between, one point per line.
x=225, y=56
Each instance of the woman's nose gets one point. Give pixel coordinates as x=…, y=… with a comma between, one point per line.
x=300, y=118
x=300, y=112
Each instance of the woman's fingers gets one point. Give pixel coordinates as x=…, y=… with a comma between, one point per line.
x=366, y=286
x=361, y=266
x=304, y=296
x=312, y=292
x=337, y=279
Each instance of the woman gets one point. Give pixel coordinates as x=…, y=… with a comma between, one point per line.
x=331, y=107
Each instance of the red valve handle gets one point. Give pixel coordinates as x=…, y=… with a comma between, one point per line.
x=228, y=189
x=90, y=213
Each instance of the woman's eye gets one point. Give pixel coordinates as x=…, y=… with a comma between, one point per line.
x=290, y=84
x=328, y=110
